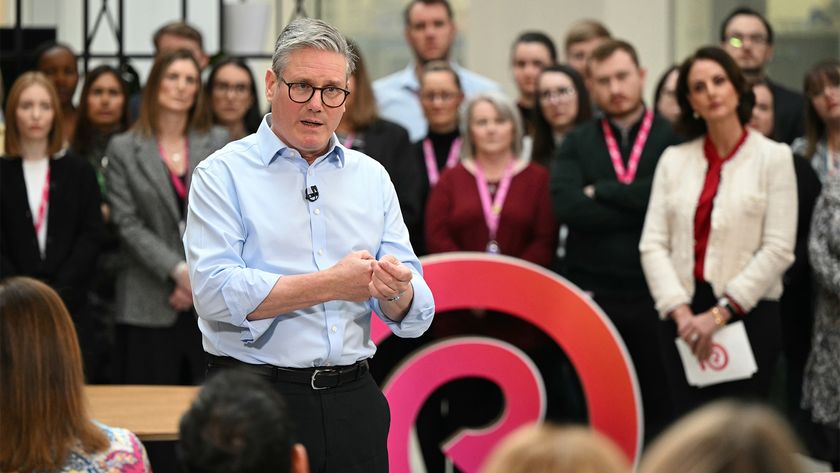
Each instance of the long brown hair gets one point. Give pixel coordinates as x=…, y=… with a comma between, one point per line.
x=362, y=113
x=199, y=118
x=821, y=74
x=42, y=403
x=12, y=139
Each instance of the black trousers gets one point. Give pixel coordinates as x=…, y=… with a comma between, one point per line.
x=167, y=355
x=763, y=325
x=344, y=429
x=636, y=320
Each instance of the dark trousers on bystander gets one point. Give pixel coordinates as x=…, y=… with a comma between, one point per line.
x=636, y=319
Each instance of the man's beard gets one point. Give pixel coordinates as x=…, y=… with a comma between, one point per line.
x=445, y=57
x=753, y=73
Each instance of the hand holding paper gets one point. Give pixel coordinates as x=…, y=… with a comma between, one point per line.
x=730, y=357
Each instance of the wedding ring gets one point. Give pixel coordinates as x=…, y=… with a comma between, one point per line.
x=694, y=337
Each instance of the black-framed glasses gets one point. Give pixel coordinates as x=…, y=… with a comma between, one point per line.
x=737, y=40
x=331, y=96
x=561, y=94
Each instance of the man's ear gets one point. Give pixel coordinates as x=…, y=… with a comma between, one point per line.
x=300, y=460
x=270, y=80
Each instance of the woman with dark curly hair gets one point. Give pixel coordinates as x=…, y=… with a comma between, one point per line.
x=720, y=228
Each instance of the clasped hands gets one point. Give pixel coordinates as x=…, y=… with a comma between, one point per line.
x=360, y=276
x=696, y=331
x=181, y=297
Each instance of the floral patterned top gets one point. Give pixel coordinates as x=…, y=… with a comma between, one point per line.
x=125, y=455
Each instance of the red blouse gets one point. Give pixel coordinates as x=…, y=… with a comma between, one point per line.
x=703, y=215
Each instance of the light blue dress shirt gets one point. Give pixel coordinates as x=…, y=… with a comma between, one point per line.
x=249, y=224
x=397, y=97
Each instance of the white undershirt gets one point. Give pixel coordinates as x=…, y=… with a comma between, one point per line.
x=34, y=174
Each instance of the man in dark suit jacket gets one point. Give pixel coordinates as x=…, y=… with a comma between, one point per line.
x=748, y=37
x=600, y=184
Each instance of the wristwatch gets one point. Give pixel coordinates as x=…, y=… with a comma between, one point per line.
x=727, y=304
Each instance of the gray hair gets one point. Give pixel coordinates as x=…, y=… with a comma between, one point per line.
x=504, y=107
x=303, y=33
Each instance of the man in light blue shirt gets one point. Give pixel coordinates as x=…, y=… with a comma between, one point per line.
x=292, y=242
x=430, y=32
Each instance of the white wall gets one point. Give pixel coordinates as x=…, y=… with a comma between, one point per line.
x=488, y=26
x=492, y=26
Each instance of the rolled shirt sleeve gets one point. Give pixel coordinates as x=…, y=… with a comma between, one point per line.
x=224, y=288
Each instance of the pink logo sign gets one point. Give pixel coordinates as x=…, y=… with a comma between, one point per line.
x=543, y=299
x=718, y=360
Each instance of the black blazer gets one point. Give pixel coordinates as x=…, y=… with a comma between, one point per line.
x=74, y=228
x=788, y=113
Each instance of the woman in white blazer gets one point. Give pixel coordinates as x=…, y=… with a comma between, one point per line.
x=720, y=229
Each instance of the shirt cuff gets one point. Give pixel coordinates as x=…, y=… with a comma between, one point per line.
x=419, y=316
x=243, y=295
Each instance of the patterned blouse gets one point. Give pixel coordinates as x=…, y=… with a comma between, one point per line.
x=125, y=454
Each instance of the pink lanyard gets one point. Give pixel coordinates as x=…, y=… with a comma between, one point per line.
x=492, y=213
x=42, y=207
x=180, y=188
x=626, y=176
x=431, y=161
x=348, y=140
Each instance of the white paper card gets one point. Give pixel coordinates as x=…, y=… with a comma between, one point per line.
x=732, y=358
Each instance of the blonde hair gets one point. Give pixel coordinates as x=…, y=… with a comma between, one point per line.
x=725, y=437
x=12, y=139
x=549, y=448
x=505, y=108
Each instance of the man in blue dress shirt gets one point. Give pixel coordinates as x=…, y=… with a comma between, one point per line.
x=293, y=241
x=430, y=32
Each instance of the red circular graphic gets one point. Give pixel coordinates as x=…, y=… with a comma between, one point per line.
x=558, y=308
x=719, y=358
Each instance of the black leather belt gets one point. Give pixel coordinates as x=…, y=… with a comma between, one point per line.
x=318, y=378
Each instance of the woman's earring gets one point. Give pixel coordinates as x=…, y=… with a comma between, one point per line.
x=694, y=114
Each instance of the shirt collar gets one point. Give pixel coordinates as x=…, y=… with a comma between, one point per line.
x=272, y=147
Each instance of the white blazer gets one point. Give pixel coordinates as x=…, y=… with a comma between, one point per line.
x=753, y=224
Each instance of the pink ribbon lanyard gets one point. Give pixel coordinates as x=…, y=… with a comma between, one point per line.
x=180, y=187
x=42, y=207
x=492, y=212
x=431, y=161
x=626, y=176
x=348, y=140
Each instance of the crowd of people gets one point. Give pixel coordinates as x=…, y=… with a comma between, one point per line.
x=717, y=203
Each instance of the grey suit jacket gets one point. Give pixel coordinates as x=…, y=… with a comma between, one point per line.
x=144, y=208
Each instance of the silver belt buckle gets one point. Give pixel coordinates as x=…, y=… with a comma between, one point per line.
x=315, y=373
